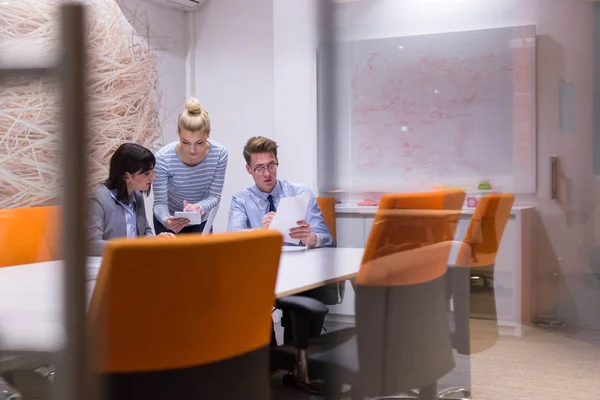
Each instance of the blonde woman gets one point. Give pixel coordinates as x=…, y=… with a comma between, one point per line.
x=189, y=172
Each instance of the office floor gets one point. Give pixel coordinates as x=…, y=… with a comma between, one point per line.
x=546, y=363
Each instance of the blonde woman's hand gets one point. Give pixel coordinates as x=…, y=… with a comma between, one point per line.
x=187, y=207
x=176, y=224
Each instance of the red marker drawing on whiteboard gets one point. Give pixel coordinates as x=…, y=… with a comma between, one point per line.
x=368, y=202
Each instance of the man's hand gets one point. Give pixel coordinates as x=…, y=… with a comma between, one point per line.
x=267, y=219
x=304, y=233
x=167, y=235
x=176, y=224
x=187, y=207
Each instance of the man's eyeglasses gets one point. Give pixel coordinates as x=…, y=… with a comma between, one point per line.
x=272, y=167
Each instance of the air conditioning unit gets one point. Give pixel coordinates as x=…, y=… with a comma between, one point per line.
x=183, y=5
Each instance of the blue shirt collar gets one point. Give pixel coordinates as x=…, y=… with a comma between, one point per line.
x=275, y=192
x=132, y=198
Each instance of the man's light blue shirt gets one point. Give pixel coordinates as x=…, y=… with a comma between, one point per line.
x=250, y=206
x=129, y=214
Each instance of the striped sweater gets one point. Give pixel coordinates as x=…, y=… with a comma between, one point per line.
x=175, y=182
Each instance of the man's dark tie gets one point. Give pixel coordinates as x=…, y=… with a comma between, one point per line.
x=271, y=203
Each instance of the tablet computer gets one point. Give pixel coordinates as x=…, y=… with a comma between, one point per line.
x=195, y=217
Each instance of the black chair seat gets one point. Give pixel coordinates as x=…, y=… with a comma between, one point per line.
x=341, y=359
x=284, y=356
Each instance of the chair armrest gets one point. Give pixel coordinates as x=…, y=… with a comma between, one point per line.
x=301, y=303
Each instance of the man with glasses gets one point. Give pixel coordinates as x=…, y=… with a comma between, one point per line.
x=255, y=207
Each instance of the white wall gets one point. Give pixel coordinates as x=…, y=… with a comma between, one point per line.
x=371, y=19
x=295, y=84
x=167, y=36
x=565, y=229
x=276, y=43
x=234, y=81
x=255, y=64
x=295, y=42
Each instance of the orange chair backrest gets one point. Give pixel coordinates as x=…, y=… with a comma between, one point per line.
x=165, y=304
x=412, y=220
x=452, y=199
x=29, y=235
x=327, y=206
x=410, y=266
x=487, y=227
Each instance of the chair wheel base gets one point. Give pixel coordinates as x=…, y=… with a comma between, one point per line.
x=316, y=387
x=47, y=371
x=7, y=392
x=289, y=380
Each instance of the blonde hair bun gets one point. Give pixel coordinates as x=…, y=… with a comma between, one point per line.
x=194, y=118
x=193, y=107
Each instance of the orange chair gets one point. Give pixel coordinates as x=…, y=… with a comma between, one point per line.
x=476, y=253
x=443, y=204
x=410, y=231
x=165, y=316
x=327, y=206
x=29, y=235
x=485, y=230
x=402, y=339
x=483, y=235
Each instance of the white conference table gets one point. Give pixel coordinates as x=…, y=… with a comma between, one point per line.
x=31, y=296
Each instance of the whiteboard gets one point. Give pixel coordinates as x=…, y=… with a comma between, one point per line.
x=441, y=109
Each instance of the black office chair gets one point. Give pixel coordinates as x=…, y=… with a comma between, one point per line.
x=172, y=333
x=398, y=227
x=402, y=339
x=292, y=356
x=311, y=306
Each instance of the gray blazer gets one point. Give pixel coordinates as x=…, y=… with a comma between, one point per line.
x=107, y=219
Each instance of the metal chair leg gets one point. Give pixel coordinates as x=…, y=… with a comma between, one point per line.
x=454, y=398
x=450, y=393
x=314, y=386
x=416, y=397
x=454, y=393
x=411, y=394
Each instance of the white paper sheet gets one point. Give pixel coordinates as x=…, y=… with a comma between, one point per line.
x=289, y=211
x=288, y=249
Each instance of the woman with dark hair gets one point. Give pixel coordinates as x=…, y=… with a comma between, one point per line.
x=117, y=206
